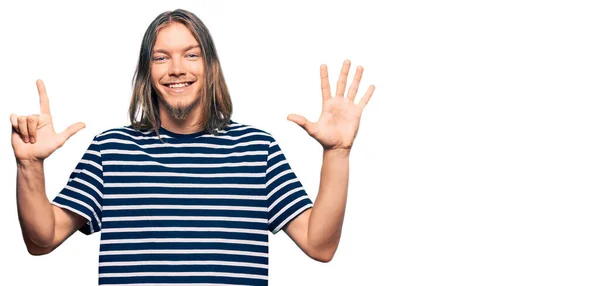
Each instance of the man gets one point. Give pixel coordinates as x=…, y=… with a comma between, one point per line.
x=184, y=194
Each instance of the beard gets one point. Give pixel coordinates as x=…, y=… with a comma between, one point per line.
x=180, y=111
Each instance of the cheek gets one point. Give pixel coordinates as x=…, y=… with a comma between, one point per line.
x=197, y=70
x=155, y=74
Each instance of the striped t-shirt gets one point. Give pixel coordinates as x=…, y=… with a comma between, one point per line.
x=195, y=209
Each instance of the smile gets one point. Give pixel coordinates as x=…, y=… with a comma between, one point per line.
x=178, y=87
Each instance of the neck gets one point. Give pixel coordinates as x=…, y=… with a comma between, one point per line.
x=191, y=124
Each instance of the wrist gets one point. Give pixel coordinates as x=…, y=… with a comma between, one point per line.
x=29, y=163
x=337, y=152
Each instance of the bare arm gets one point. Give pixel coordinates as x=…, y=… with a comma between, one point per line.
x=317, y=231
x=43, y=225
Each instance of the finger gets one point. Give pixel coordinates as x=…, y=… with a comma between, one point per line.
x=309, y=127
x=32, y=126
x=355, y=83
x=70, y=131
x=22, y=121
x=325, y=88
x=15, y=134
x=365, y=99
x=14, y=122
x=341, y=84
x=44, y=102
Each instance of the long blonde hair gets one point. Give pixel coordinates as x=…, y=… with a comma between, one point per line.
x=215, y=99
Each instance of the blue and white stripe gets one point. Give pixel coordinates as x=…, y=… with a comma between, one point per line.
x=195, y=209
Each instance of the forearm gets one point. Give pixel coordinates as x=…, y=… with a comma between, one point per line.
x=327, y=216
x=35, y=211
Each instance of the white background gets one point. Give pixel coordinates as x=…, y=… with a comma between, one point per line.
x=477, y=161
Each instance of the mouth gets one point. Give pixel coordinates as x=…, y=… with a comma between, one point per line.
x=177, y=87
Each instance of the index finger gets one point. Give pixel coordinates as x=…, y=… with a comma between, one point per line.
x=325, y=89
x=44, y=102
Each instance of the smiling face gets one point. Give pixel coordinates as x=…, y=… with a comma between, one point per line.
x=177, y=71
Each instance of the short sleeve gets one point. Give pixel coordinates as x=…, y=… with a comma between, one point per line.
x=286, y=197
x=84, y=191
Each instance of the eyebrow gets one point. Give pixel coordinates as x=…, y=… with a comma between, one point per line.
x=185, y=50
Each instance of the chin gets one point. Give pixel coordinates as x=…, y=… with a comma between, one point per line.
x=180, y=110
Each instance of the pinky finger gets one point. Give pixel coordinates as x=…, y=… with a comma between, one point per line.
x=365, y=99
x=14, y=122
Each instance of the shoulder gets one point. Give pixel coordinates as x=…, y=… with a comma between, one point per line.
x=242, y=130
x=126, y=133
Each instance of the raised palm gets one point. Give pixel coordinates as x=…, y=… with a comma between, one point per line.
x=33, y=136
x=340, y=116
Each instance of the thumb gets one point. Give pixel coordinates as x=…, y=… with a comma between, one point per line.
x=70, y=131
x=309, y=127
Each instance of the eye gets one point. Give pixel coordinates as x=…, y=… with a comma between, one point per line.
x=193, y=56
x=159, y=59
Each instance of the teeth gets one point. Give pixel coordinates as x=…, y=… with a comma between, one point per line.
x=178, y=85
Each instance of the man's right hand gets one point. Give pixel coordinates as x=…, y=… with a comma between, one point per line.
x=33, y=136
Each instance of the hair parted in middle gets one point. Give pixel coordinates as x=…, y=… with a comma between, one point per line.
x=215, y=99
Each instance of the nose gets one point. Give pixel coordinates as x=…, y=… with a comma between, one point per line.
x=177, y=68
